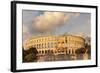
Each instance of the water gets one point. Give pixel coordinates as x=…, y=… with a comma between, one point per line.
x=45, y=58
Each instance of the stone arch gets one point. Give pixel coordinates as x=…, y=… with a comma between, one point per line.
x=39, y=52
x=73, y=51
x=66, y=51
x=45, y=51
x=42, y=52
x=51, y=51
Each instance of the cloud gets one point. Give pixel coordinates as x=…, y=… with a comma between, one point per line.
x=76, y=14
x=26, y=33
x=49, y=21
x=25, y=29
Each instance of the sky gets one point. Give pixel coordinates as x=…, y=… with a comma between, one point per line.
x=55, y=23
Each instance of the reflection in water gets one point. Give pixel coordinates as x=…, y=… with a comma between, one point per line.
x=85, y=56
x=63, y=57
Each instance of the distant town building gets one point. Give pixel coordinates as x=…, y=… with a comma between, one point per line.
x=50, y=44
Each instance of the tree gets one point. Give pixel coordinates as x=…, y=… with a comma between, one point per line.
x=80, y=51
x=30, y=55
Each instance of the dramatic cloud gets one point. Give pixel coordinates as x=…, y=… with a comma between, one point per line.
x=49, y=21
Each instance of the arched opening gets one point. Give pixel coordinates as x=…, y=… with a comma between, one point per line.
x=39, y=52
x=69, y=52
x=51, y=51
x=42, y=52
x=45, y=51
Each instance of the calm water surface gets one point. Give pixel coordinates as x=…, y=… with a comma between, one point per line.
x=63, y=57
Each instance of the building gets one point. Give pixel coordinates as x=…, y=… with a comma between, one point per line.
x=63, y=44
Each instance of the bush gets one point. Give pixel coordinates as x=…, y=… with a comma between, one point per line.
x=29, y=55
x=80, y=51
